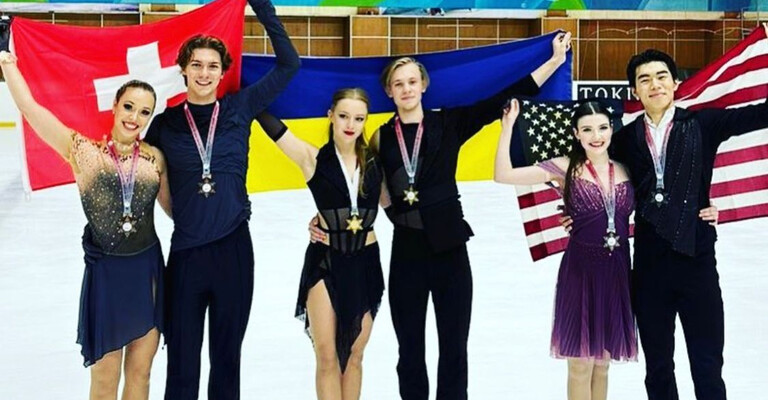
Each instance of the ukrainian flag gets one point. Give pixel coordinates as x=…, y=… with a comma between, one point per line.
x=458, y=78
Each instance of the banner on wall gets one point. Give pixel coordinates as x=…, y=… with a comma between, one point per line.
x=613, y=90
x=405, y=5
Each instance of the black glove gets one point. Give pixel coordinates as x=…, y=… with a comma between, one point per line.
x=5, y=32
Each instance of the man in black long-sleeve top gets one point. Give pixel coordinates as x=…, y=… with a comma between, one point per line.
x=674, y=260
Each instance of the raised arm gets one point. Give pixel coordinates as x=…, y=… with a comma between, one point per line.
x=470, y=119
x=300, y=152
x=503, y=171
x=52, y=131
x=258, y=96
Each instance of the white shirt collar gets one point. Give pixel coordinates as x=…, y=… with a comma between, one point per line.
x=665, y=119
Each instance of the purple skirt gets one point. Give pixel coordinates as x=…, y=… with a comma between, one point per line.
x=593, y=312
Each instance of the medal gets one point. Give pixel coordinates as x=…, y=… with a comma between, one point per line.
x=206, y=186
x=354, y=223
x=611, y=239
x=126, y=223
x=411, y=196
x=410, y=164
x=658, y=197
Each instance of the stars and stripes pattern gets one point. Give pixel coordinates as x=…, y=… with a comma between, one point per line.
x=740, y=177
x=546, y=132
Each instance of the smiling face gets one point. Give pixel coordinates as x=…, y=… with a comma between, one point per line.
x=133, y=111
x=406, y=86
x=348, y=118
x=654, y=86
x=204, y=73
x=594, y=133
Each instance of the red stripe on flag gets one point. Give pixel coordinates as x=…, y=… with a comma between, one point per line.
x=738, y=186
x=751, y=64
x=544, y=249
x=535, y=198
x=541, y=224
x=741, y=96
x=738, y=214
x=740, y=156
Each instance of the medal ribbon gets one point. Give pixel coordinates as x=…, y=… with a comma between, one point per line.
x=205, y=152
x=127, y=181
x=659, y=160
x=609, y=199
x=409, y=164
x=353, y=182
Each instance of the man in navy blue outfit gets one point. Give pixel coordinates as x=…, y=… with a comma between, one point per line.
x=210, y=266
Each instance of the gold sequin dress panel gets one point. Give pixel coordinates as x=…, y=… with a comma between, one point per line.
x=101, y=194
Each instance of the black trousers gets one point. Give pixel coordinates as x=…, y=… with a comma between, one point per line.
x=666, y=284
x=415, y=272
x=217, y=276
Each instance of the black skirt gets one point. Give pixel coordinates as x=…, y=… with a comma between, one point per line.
x=355, y=285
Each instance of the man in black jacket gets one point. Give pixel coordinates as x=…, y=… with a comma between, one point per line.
x=670, y=154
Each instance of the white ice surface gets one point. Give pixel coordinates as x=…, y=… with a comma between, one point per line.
x=41, y=272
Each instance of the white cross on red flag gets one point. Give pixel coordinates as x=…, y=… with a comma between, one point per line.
x=75, y=72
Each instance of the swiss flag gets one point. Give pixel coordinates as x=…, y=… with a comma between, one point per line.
x=76, y=71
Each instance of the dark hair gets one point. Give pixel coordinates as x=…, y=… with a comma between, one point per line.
x=203, y=42
x=646, y=57
x=361, y=148
x=578, y=156
x=138, y=85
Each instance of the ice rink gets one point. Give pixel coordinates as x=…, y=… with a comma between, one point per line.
x=42, y=266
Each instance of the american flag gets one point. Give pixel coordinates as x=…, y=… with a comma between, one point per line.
x=740, y=177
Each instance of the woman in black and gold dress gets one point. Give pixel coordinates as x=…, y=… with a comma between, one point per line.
x=341, y=282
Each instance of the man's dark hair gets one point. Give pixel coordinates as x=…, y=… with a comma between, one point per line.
x=646, y=57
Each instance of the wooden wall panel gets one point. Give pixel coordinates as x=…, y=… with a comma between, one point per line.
x=252, y=27
x=78, y=19
x=370, y=26
x=301, y=45
x=588, y=29
x=431, y=45
x=587, y=60
x=667, y=46
x=478, y=28
x=612, y=58
x=617, y=30
x=148, y=18
x=657, y=30
x=254, y=45
x=296, y=26
x=364, y=47
x=403, y=27
x=403, y=47
x=514, y=28
x=437, y=27
x=329, y=26
x=121, y=19
x=328, y=47
x=566, y=24
x=692, y=55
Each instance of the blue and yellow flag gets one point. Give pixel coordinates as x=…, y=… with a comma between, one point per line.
x=457, y=78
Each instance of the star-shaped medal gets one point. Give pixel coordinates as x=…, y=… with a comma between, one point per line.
x=611, y=241
x=354, y=224
x=127, y=225
x=206, y=187
x=411, y=196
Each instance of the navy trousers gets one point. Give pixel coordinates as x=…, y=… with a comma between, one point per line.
x=217, y=277
x=415, y=272
x=666, y=284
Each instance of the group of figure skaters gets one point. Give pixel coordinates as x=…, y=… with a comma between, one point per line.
x=193, y=161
